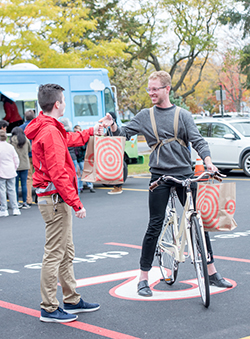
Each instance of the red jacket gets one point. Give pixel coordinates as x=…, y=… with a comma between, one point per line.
x=54, y=168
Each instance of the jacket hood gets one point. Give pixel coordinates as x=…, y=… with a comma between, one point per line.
x=35, y=126
x=13, y=140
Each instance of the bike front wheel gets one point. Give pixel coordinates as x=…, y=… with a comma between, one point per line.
x=200, y=262
x=168, y=264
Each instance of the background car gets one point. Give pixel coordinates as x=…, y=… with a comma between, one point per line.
x=229, y=142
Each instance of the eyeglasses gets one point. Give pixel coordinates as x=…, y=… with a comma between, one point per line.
x=154, y=89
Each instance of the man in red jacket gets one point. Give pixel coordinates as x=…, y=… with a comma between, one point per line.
x=56, y=186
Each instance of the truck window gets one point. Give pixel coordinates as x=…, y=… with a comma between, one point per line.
x=85, y=105
x=109, y=102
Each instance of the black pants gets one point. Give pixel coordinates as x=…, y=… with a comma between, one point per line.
x=14, y=124
x=158, y=200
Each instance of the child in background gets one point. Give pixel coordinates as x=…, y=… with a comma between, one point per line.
x=9, y=162
x=22, y=146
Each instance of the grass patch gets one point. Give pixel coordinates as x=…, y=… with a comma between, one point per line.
x=141, y=168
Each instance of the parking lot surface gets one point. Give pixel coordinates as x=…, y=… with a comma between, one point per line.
x=107, y=250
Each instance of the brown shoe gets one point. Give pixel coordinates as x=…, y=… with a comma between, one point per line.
x=116, y=190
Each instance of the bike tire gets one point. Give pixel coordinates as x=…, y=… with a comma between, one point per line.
x=167, y=263
x=200, y=262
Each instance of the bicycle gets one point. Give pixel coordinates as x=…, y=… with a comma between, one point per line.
x=175, y=236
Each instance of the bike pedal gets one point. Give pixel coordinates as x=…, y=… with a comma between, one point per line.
x=165, y=279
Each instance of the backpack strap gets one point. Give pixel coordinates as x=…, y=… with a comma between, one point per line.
x=153, y=123
x=176, y=122
x=160, y=143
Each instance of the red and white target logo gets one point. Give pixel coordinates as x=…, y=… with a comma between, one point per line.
x=209, y=205
x=91, y=159
x=230, y=207
x=109, y=159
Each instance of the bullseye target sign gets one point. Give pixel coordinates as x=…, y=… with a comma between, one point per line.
x=217, y=205
x=104, y=160
x=208, y=205
x=109, y=159
x=91, y=159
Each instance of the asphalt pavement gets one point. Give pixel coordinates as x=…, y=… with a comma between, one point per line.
x=107, y=250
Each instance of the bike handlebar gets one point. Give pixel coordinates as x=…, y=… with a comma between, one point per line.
x=164, y=178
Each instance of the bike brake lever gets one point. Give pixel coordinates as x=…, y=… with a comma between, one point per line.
x=156, y=183
x=219, y=176
x=153, y=185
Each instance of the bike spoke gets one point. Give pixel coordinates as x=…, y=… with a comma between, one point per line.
x=200, y=262
x=166, y=258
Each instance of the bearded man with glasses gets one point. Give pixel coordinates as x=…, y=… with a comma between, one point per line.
x=170, y=156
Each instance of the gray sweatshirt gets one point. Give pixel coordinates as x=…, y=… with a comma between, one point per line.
x=174, y=159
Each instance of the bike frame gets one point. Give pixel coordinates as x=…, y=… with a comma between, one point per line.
x=182, y=230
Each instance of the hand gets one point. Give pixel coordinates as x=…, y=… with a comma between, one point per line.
x=210, y=166
x=98, y=129
x=106, y=121
x=81, y=213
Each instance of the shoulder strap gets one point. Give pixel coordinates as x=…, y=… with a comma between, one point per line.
x=153, y=123
x=176, y=120
x=160, y=143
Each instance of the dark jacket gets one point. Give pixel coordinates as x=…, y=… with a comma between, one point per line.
x=23, y=126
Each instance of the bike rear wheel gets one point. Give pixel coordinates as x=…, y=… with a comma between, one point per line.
x=200, y=262
x=168, y=264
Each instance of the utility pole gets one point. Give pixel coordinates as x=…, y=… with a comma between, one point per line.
x=221, y=102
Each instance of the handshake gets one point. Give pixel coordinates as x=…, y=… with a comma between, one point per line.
x=105, y=122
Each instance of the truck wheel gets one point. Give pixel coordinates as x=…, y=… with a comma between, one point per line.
x=246, y=164
x=125, y=171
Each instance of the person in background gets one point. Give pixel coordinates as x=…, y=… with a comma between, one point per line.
x=3, y=125
x=117, y=189
x=29, y=116
x=56, y=187
x=22, y=147
x=11, y=113
x=9, y=162
x=80, y=154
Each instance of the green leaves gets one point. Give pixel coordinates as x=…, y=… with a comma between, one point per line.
x=52, y=34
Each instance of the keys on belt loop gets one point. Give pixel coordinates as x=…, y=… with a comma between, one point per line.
x=54, y=201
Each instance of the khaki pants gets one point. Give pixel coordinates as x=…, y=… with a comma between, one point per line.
x=29, y=182
x=58, y=255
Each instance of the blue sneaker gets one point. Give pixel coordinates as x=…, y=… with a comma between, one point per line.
x=58, y=316
x=82, y=306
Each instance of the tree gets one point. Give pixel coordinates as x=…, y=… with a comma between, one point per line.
x=53, y=34
x=179, y=31
x=102, y=11
x=205, y=90
x=235, y=17
x=233, y=80
x=131, y=83
x=245, y=65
